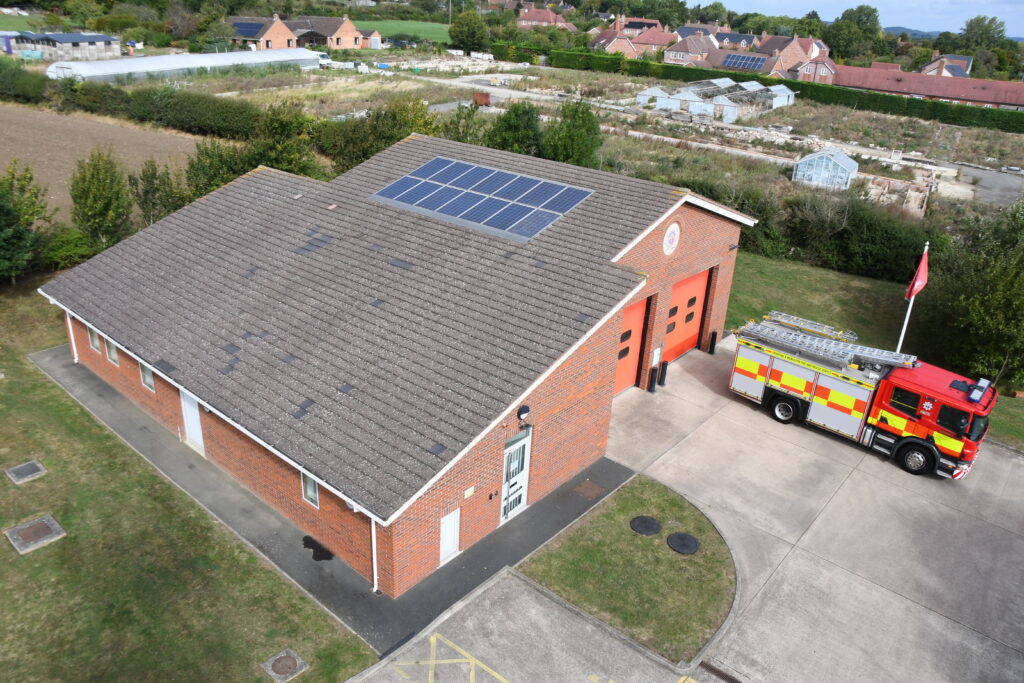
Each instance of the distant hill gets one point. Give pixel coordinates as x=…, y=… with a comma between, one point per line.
x=915, y=34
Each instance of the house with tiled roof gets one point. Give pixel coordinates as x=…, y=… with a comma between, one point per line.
x=654, y=39
x=737, y=41
x=955, y=66
x=634, y=26
x=820, y=69
x=614, y=41
x=272, y=33
x=977, y=91
x=261, y=33
x=536, y=18
x=690, y=49
x=407, y=357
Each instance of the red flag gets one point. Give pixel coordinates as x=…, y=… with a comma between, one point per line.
x=920, y=277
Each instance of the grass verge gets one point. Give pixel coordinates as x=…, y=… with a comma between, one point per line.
x=146, y=586
x=1008, y=422
x=668, y=602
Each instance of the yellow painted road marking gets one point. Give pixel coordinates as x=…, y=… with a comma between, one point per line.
x=433, y=662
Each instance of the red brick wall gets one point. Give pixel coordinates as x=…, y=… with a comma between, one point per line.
x=344, y=532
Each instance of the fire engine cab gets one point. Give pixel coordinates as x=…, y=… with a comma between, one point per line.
x=928, y=418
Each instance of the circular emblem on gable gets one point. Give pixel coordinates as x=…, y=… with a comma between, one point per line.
x=671, y=239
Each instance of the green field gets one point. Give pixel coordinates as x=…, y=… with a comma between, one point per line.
x=424, y=30
x=8, y=23
x=146, y=585
x=874, y=309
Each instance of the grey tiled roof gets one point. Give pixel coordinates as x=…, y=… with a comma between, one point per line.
x=367, y=343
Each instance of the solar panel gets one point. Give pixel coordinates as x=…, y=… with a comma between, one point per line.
x=461, y=203
x=541, y=193
x=486, y=199
x=743, y=61
x=398, y=187
x=564, y=201
x=430, y=168
x=534, y=223
x=247, y=29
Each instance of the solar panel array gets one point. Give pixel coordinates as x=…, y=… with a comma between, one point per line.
x=516, y=206
x=247, y=29
x=743, y=61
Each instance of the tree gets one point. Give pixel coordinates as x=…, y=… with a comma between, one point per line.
x=575, y=137
x=17, y=242
x=919, y=56
x=101, y=199
x=214, y=164
x=947, y=43
x=865, y=17
x=157, y=191
x=846, y=39
x=181, y=23
x=982, y=32
x=468, y=32
x=27, y=198
x=82, y=11
x=516, y=130
x=465, y=126
x=973, y=315
x=281, y=140
x=811, y=25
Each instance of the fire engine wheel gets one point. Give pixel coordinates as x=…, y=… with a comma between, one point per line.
x=784, y=410
x=916, y=459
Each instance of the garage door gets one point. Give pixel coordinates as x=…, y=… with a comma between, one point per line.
x=685, y=311
x=630, y=342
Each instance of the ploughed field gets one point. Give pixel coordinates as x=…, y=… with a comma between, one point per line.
x=52, y=143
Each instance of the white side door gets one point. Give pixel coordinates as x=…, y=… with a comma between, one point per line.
x=450, y=524
x=190, y=416
x=516, y=476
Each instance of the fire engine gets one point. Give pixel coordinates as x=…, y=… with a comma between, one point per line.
x=929, y=419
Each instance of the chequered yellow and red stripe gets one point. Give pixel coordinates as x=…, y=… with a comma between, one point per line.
x=837, y=400
x=903, y=426
x=751, y=368
x=792, y=383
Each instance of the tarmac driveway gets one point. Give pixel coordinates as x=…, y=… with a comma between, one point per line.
x=849, y=568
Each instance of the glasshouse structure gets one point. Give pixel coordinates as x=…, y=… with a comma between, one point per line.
x=166, y=66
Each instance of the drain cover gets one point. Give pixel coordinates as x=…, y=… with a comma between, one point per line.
x=27, y=471
x=683, y=543
x=34, y=534
x=644, y=525
x=284, y=666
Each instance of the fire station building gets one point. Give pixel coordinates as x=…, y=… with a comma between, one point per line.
x=406, y=357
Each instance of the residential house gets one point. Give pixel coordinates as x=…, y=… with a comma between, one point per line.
x=634, y=26
x=53, y=47
x=728, y=40
x=371, y=39
x=614, y=41
x=654, y=39
x=828, y=168
x=820, y=69
x=402, y=384
x=956, y=66
x=337, y=33
x=261, y=33
x=534, y=18
x=693, y=47
x=708, y=29
x=976, y=91
x=792, y=50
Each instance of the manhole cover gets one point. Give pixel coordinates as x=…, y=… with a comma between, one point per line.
x=683, y=543
x=27, y=471
x=284, y=665
x=588, y=489
x=34, y=534
x=644, y=525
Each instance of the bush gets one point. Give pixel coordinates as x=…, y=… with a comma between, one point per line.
x=64, y=247
x=194, y=112
x=20, y=85
x=101, y=98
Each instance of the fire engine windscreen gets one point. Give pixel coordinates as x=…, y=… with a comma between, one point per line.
x=978, y=427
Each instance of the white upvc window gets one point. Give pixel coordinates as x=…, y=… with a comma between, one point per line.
x=146, y=373
x=111, y=351
x=94, y=339
x=310, y=490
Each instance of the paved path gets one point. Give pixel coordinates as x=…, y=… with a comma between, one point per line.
x=849, y=568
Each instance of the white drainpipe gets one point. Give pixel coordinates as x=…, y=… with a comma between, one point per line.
x=71, y=336
x=373, y=549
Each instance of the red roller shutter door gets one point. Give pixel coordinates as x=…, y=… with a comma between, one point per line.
x=630, y=341
x=685, y=312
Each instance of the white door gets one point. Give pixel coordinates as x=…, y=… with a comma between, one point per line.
x=193, y=427
x=449, y=536
x=516, y=476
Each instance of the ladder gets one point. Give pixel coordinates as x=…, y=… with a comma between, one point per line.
x=841, y=352
x=806, y=325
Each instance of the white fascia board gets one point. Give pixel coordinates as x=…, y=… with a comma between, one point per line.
x=356, y=507
x=512, y=406
x=686, y=199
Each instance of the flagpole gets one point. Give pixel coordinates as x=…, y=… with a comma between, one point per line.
x=910, y=306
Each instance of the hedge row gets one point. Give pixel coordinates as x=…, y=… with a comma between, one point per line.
x=185, y=111
x=1008, y=120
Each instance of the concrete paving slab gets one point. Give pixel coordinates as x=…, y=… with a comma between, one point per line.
x=814, y=622
x=769, y=483
x=511, y=630
x=959, y=565
x=994, y=490
x=383, y=622
x=646, y=425
x=697, y=377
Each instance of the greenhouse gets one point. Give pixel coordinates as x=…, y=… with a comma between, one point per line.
x=166, y=66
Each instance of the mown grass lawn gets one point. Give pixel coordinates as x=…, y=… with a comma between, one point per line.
x=874, y=309
x=14, y=23
x=423, y=30
x=668, y=602
x=146, y=586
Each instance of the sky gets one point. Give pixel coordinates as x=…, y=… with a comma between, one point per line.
x=924, y=15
